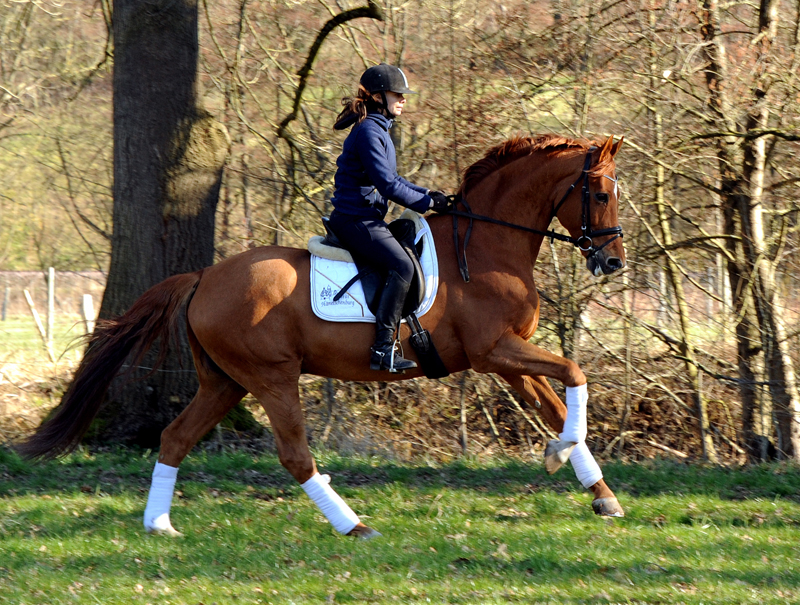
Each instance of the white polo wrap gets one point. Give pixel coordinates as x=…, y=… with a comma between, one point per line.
x=330, y=503
x=156, y=514
x=575, y=424
x=586, y=467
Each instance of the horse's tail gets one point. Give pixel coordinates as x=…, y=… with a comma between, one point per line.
x=154, y=315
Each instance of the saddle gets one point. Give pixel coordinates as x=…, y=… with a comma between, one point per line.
x=404, y=231
x=332, y=302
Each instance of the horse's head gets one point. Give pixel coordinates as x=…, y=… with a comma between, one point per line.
x=590, y=212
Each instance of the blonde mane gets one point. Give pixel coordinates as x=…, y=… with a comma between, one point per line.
x=517, y=147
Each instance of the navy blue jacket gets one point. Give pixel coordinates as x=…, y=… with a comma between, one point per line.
x=367, y=173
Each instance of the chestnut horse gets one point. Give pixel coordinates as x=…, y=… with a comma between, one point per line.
x=252, y=329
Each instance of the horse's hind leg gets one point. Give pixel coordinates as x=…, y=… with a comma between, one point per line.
x=281, y=402
x=536, y=389
x=216, y=396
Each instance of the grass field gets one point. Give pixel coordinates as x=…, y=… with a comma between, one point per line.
x=30, y=382
x=70, y=532
x=20, y=337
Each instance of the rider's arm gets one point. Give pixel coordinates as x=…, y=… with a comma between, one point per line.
x=374, y=157
x=413, y=186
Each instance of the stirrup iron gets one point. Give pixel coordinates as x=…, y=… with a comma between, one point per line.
x=378, y=360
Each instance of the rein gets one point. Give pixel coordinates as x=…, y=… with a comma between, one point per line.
x=586, y=237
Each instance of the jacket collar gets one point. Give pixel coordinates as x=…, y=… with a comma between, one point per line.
x=381, y=119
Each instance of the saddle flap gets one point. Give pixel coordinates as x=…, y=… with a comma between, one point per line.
x=405, y=230
x=329, y=277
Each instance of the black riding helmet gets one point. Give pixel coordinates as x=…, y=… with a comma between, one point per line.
x=383, y=78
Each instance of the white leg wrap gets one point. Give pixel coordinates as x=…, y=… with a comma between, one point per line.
x=330, y=503
x=156, y=514
x=586, y=467
x=575, y=424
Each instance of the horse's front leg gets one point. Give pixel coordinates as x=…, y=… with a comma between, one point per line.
x=536, y=390
x=514, y=356
x=524, y=365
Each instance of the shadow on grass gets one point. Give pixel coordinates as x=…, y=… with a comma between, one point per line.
x=210, y=555
x=126, y=469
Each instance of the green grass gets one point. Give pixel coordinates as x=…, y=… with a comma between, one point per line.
x=20, y=337
x=70, y=532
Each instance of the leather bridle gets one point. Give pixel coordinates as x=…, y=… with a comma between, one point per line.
x=584, y=242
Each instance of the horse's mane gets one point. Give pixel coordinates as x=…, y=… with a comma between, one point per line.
x=517, y=147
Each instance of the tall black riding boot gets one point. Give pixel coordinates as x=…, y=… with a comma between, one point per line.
x=387, y=318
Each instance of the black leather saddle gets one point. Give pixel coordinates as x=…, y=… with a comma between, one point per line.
x=372, y=279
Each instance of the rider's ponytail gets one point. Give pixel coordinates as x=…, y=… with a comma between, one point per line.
x=356, y=109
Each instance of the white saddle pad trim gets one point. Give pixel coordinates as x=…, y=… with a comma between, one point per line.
x=328, y=276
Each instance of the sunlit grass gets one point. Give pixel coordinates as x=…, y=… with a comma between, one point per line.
x=20, y=337
x=70, y=532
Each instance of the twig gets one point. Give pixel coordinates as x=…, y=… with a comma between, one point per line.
x=492, y=425
x=667, y=449
x=372, y=10
x=727, y=440
x=613, y=442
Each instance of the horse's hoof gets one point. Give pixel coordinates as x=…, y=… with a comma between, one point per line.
x=556, y=454
x=363, y=532
x=607, y=507
x=170, y=532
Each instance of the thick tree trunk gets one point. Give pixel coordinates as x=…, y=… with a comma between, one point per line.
x=168, y=159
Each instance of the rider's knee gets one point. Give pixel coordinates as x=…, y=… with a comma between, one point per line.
x=404, y=268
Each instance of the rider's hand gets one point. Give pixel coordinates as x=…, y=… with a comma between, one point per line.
x=441, y=203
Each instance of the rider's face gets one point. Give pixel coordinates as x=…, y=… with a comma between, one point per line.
x=395, y=102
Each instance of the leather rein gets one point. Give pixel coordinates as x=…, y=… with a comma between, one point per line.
x=584, y=242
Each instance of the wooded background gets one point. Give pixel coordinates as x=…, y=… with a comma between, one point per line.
x=118, y=120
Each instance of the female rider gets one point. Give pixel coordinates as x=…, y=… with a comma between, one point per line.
x=365, y=180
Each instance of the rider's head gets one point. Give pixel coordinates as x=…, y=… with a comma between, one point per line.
x=381, y=90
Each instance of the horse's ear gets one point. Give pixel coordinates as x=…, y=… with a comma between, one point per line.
x=606, y=149
x=615, y=149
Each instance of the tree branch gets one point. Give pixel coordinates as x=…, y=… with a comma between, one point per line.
x=749, y=135
x=372, y=10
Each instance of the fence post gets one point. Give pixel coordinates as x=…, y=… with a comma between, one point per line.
x=51, y=296
x=39, y=325
x=87, y=311
x=6, y=296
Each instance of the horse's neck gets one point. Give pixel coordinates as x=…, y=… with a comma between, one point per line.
x=523, y=193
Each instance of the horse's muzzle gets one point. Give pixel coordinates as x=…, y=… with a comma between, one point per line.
x=602, y=262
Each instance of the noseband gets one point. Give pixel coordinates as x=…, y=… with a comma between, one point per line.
x=584, y=242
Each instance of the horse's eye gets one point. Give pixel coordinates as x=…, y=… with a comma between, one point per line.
x=601, y=197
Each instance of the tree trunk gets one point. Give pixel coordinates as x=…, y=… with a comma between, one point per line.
x=735, y=204
x=778, y=360
x=672, y=270
x=676, y=279
x=168, y=159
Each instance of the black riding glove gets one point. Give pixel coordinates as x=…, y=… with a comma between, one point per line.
x=441, y=203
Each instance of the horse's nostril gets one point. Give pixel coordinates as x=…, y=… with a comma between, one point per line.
x=614, y=263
